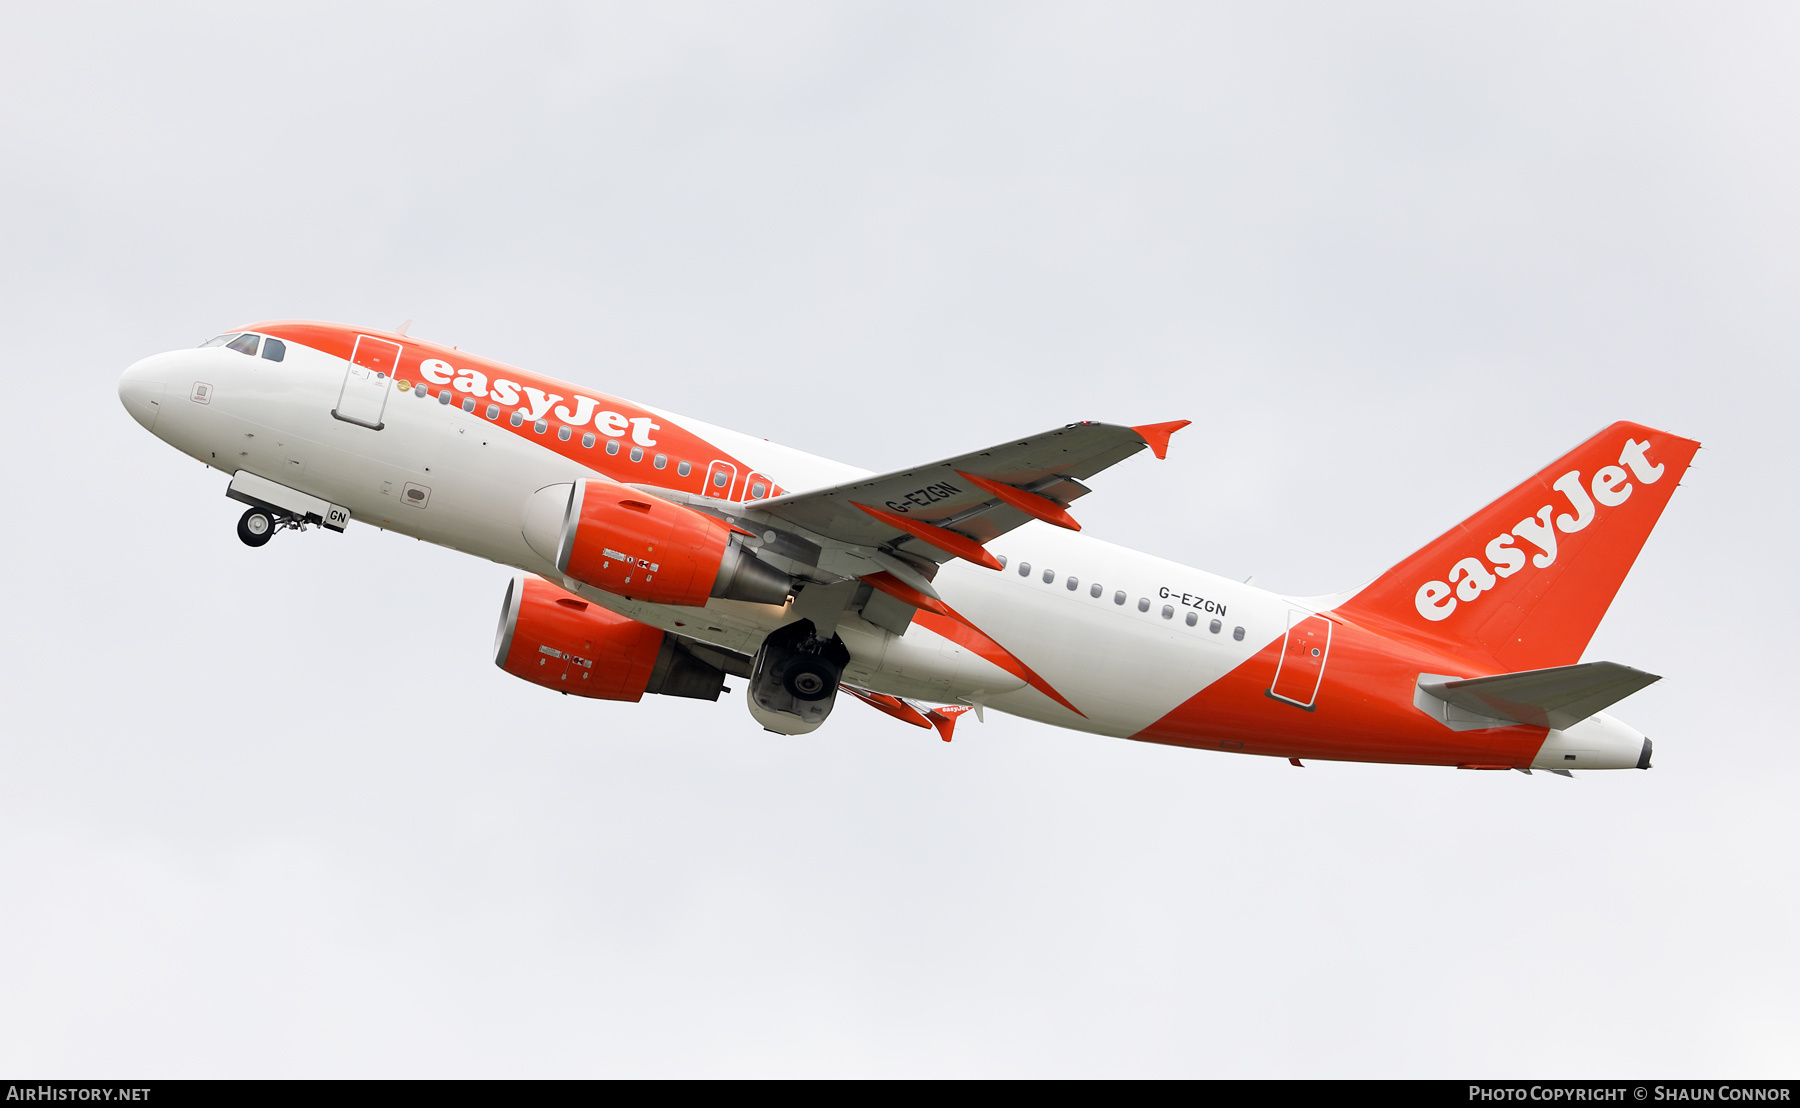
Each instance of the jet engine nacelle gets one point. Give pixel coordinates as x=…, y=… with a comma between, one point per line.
x=562, y=642
x=641, y=547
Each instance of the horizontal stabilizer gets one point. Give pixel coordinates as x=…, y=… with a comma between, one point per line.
x=1556, y=698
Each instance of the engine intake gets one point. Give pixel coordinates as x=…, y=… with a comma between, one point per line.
x=641, y=547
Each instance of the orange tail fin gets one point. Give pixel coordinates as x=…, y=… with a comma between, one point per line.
x=1523, y=582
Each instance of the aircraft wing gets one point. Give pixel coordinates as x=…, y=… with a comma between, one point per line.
x=950, y=508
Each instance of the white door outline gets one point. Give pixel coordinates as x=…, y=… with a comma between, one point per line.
x=719, y=492
x=751, y=480
x=1310, y=625
x=367, y=381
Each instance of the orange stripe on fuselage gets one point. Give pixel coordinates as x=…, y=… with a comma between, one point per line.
x=1363, y=711
x=676, y=443
x=960, y=631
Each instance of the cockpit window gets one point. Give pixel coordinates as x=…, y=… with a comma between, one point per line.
x=220, y=341
x=244, y=344
x=274, y=349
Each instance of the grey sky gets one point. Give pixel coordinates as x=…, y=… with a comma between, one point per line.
x=275, y=812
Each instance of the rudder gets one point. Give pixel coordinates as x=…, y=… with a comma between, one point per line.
x=1524, y=582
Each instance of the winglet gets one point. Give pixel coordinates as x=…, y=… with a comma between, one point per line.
x=1156, y=435
x=944, y=719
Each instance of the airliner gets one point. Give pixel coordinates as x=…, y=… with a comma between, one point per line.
x=657, y=554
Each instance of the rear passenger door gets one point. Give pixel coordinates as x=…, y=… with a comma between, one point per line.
x=1302, y=664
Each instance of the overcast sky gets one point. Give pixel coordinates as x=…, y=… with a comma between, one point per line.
x=275, y=812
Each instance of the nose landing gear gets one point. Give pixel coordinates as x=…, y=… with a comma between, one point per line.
x=258, y=525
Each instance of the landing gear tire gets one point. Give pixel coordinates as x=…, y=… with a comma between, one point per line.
x=256, y=526
x=810, y=678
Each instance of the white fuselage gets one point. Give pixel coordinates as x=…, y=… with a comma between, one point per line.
x=1072, y=631
x=1122, y=666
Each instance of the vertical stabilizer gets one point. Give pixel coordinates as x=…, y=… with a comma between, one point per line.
x=1522, y=583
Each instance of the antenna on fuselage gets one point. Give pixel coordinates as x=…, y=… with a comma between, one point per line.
x=401, y=330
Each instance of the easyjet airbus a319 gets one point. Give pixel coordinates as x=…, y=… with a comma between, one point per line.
x=659, y=554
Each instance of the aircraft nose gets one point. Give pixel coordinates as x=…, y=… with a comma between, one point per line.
x=141, y=390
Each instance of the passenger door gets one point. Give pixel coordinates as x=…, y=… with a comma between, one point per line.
x=367, y=382
x=1302, y=665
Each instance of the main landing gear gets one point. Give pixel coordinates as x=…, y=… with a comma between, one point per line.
x=258, y=525
x=794, y=680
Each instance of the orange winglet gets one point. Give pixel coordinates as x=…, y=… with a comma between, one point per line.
x=892, y=705
x=1157, y=435
x=962, y=546
x=1032, y=504
x=944, y=719
x=905, y=593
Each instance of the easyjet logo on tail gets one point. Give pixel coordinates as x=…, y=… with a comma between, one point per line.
x=1610, y=487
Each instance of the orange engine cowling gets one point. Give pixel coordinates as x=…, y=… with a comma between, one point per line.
x=559, y=641
x=642, y=547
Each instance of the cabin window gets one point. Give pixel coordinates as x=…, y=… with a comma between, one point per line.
x=1119, y=597
x=274, y=350
x=1193, y=618
x=244, y=344
x=758, y=490
x=661, y=461
x=1214, y=626
x=587, y=441
x=541, y=426
x=612, y=446
x=1143, y=603
x=420, y=391
x=518, y=419
x=637, y=453
x=720, y=479
x=1049, y=576
x=1237, y=633
x=1073, y=584
x=1168, y=611
x=469, y=404
x=1095, y=590
x=1024, y=569
x=444, y=396
x=1002, y=561
x=682, y=469
x=564, y=433
x=493, y=411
